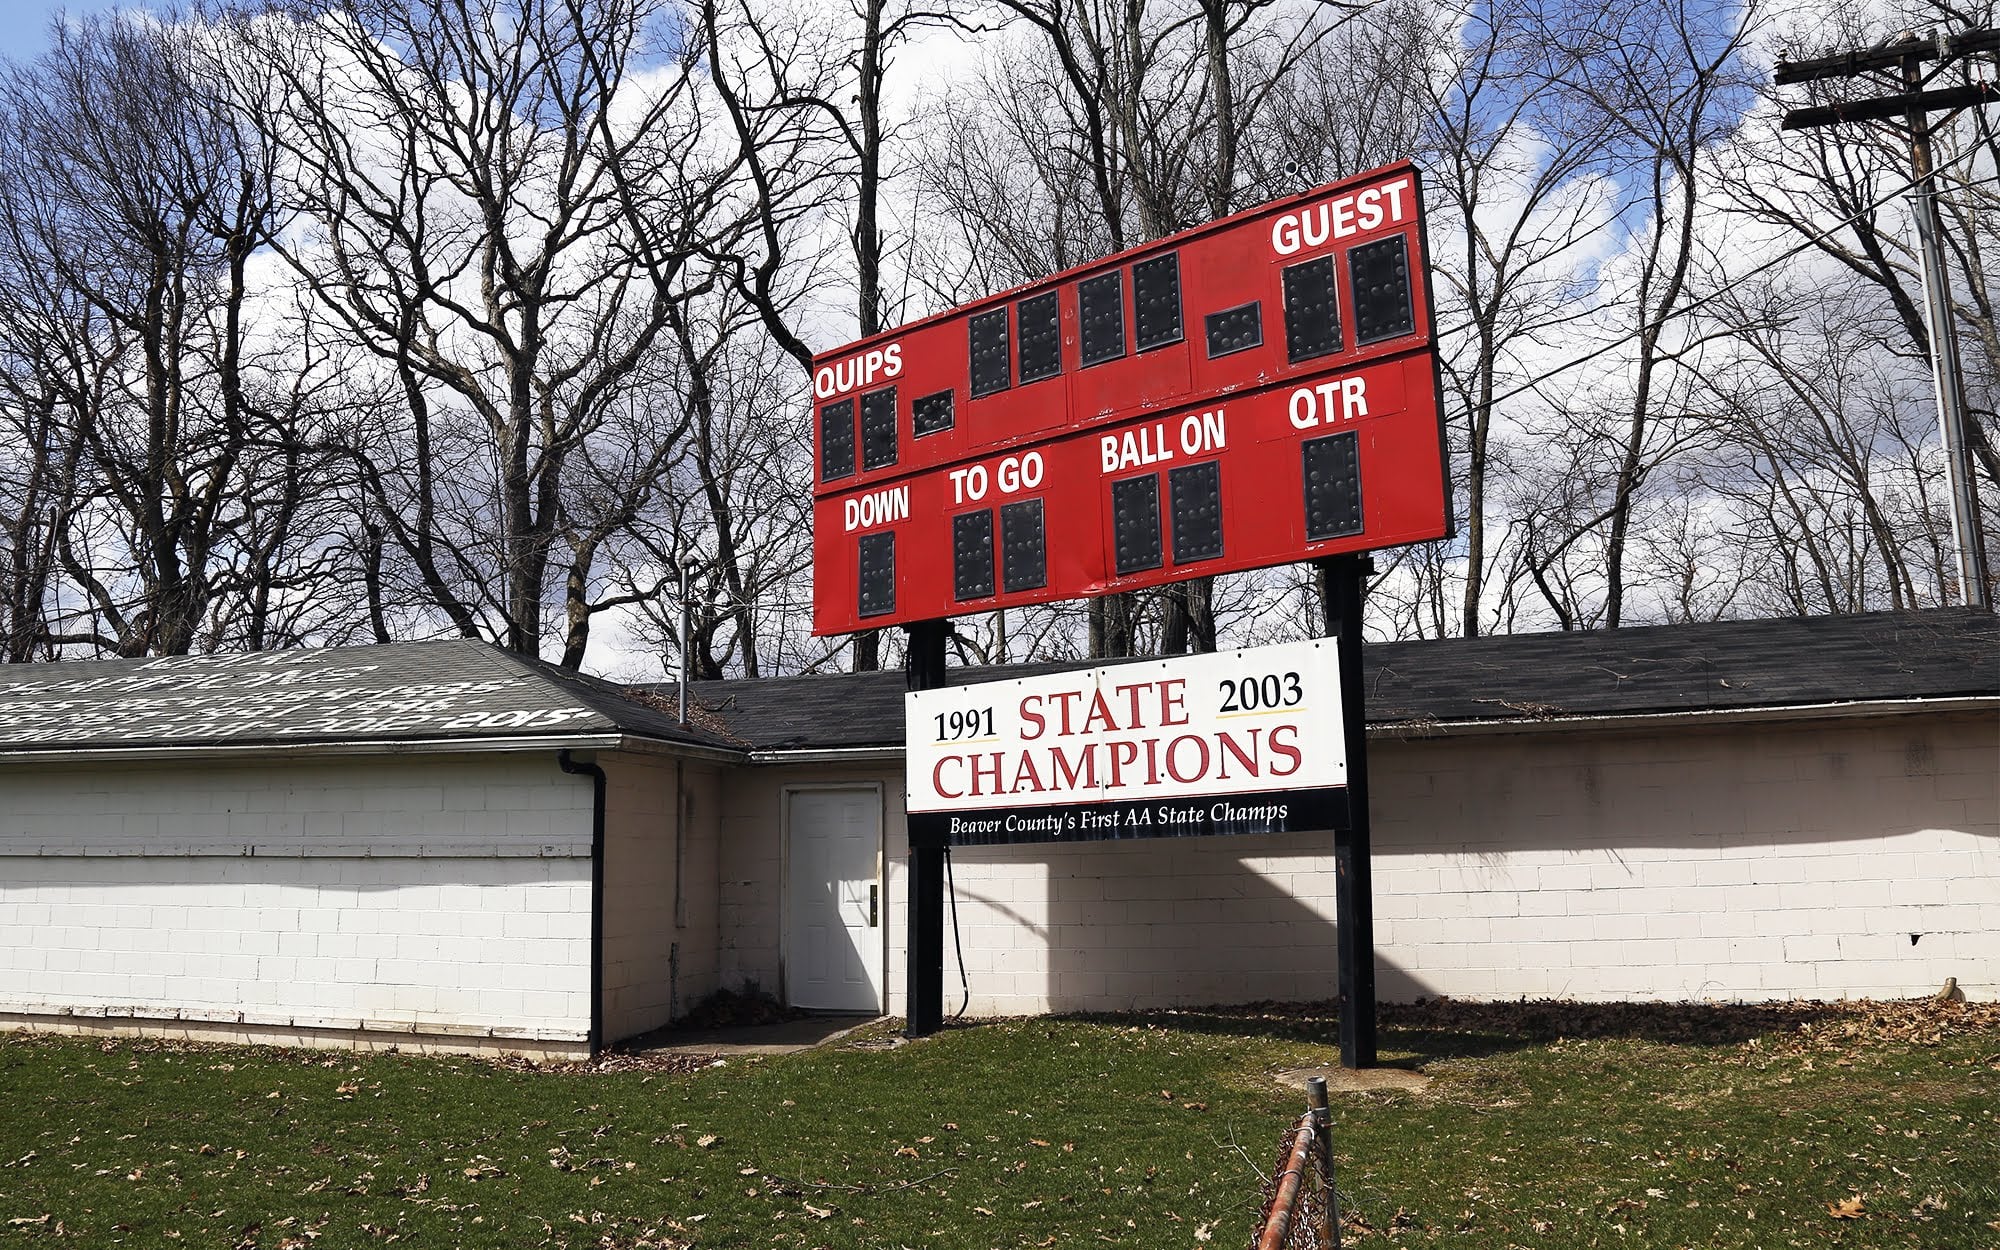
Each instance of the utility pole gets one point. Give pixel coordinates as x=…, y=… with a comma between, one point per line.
x=1901, y=63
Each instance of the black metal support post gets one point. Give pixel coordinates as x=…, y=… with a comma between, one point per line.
x=923, y=956
x=1344, y=581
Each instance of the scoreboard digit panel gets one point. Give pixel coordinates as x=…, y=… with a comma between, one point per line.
x=1266, y=477
x=1213, y=309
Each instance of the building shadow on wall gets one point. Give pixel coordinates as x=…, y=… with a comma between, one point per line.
x=1213, y=936
x=1187, y=922
x=1767, y=787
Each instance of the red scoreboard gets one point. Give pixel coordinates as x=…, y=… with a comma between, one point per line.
x=1255, y=391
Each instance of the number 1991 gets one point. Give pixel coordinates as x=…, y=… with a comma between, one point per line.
x=971, y=723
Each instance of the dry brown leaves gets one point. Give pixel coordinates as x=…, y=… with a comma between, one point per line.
x=1793, y=1025
x=655, y=1061
x=1798, y=1025
x=1919, y=1022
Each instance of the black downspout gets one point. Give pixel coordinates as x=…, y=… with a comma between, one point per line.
x=596, y=776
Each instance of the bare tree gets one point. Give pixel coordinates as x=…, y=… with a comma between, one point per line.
x=1364, y=96
x=1838, y=191
x=1658, y=97
x=815, y=85
x=45, y=356
x=1519, y=218
x=1825, y=452
x=503, y=201
x=1103, y=126
x=37, y=474
x=145, y=206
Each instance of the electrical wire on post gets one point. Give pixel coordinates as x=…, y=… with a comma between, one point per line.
x=958, y=945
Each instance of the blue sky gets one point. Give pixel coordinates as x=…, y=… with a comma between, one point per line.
x=24, y=31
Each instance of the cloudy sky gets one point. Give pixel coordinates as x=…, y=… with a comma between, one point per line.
x=24, y=31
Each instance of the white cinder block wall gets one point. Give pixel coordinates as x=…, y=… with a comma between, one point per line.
x=1747, y=862
x=424, y=895
x=1833, y=860
x=750, y=919
x=659, y=890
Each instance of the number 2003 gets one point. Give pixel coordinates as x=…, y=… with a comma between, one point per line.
x=1254, y=694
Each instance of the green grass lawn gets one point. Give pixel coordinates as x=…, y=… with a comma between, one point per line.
x=1543, y=1127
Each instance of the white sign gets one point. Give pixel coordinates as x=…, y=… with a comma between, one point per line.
x=1232, y=742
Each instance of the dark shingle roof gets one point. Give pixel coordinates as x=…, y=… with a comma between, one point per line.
x=1726, y=665
x=472, y=692
x=1789, y=662
x=439, y=691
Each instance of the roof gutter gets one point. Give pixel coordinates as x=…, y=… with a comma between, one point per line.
x=296, y=750
x=683, y=750
x=1530, y=724
x=1522, y=724
x=411, y=746
x=881, y=753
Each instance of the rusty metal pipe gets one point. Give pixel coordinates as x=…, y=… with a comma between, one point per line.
x=1278, y=1225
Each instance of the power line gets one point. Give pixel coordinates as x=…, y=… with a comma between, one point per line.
x=1888, y=55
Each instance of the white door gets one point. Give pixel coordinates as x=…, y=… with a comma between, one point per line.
x=833, y=956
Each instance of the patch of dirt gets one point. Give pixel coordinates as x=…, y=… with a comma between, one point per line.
x=729, y=1009
x=1357, y=1080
